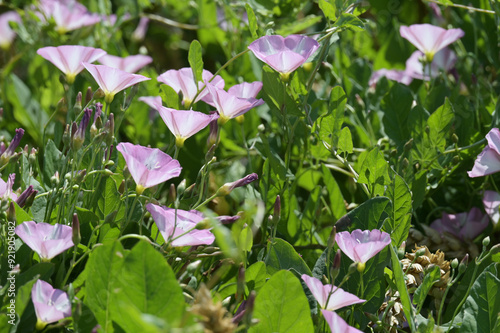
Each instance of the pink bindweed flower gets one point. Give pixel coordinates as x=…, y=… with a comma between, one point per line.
x=45, y=239
x=362, y=245
x=232, y=104
x=141, y=30
x=148, y=166
x=50, y=304
x=180, y=230
x=6, y=191
x=463, y=225
x=330, y=297
x=337, y=324
x=69, y=58
x=444, y=60
x=7, y=35
x=182, y=80
x=229, y=187
x=284, y=55
x=429, y=38
x=400, y=76
x=182, y=124
x=488, y=161
x=130, y=64
x=491, y=201
x=68, y=14
x=112, y=80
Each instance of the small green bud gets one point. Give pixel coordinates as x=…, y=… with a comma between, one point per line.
x=454, y=263
x=486, y=241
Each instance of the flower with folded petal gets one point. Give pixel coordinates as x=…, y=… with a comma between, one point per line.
x=68, y=14
x=429, y=38
x=232, y=104
x=182, y=80
x=50, y=304
x=69, y=58
x=337, y=324
x=45, y=239
x=330, y=297
x=463, y=225
x=112, y=80
x=6, y=191
x=7, y=35
x=444, y=60
x=130, y=64
x=491, y=201
x=362, y=245
x=392, y=74
x=148, y=166
x=284, y=55
x=183, y=124
x=178, y=227
x=488, y=161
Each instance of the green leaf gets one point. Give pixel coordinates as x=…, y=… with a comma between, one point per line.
x=345, y=141
x=103, y=269
x=281, y=306
x=52, y=161
x=148, y=285
x=350, y=21
x=480, y=310
x=396, y=106
x=110, y=200
x=282, y=255
x=331, y=123
x=328, y=9
x=374, y=169
x=398, y=223
x=256, y=276
x=170, y=97
x=399, y=277
x=252, y=21
x=367, y=216
x=196, y=61
x=439, y=125
x=21, y=215
x=337, y=204
x=23, y=296
x=298, y=25
x=431, y=277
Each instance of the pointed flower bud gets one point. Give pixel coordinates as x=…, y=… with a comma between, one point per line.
x=78, y=103
x=21, y=200
x=76, y=238
x=79, y=136
x=88, y=95
x=10, y=151
x=229, y=187
x=277, y=210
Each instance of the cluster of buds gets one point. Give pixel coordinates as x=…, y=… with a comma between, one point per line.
x=214, y=316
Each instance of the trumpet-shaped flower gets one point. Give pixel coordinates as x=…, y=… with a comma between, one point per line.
x=69, y=58
x=6, y=188
x=7, y=35
x=112, y=80
x=182, y=124
x=429, y=38
x=45, y=239
x=330, y=297
x=337, y=324
x=130, y=64
x=488, y=161
x=68, y=14
x=233, y=104
x=148, y=166
x=179, y=226
x=462, y=225
x=491, y=201
x=361, y=245
x=50, y=304
x=182, y=80
x=284, y=55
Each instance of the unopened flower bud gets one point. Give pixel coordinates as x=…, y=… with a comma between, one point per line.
x=190, y=189
x=331, y=238
x=229, y=187
x=420, y=252
x=408, y=145
x=486, y=241
x=228, y=219
x=88, y=95
x=121, y=188
x=10, y=151
x=405, y=163
x=261, y=128
x=463, y=264
x=454, y=263
x=240, y=285
x=172, y=194
x=78, y=103
x=203, y=224
x=21, y=200
x=210, y=153
x=66, y=138
x=495, y=249
x=335, y=268
x=11, y=212
x=80, y=176
x=76, y=230
x=454, y=138
x=54, y=180
x=140, y=32
x=32, y=156
x=78, y=137
x=277, y=210
x=110, y=129
x=402, y=250
x=181, y=187
x=62, y=107
x=352, y=268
